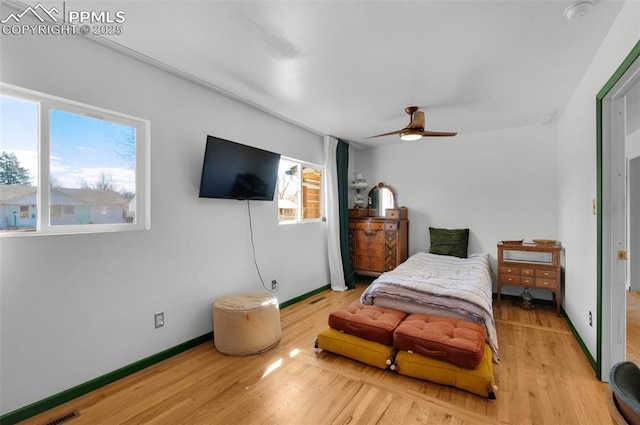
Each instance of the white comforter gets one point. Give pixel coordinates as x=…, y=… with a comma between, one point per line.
x=458, y=285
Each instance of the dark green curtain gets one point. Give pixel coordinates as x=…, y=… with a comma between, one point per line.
x=342, y=166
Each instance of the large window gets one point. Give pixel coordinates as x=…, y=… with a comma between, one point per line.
x=299, y=191
x=66, y=167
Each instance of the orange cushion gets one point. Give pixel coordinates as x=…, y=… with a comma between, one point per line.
x=369, y=322
x=454, y=341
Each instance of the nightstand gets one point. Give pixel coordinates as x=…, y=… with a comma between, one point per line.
x=530, y=265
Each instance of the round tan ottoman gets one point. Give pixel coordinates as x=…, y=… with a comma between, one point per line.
x=246, y=324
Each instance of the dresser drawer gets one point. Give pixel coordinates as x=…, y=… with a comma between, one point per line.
x=396, y=213
x=375, y=264
x=508, y=279
x=528, y=281
x=549, y=274
x=367, y=225
x=361, y=212
x=391, y=226
x=510, y=270
x=542, y=282
x=367, y=240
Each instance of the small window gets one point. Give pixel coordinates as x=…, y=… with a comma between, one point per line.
x=299, y=191
x=66, y=167
x=24, y=211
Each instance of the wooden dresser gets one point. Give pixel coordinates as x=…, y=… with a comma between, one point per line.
x=530, y=265
x=378, y=244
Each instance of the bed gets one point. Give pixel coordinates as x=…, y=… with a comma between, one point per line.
x=440, y=285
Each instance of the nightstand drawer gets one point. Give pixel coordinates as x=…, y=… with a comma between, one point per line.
x=542, y=282
x=549, y=274
x=528, y=281
x=507, y=279
x=510, y=270
x=528, y=272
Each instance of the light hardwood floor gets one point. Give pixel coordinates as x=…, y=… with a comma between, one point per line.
x=633, y=326
x=543, y=378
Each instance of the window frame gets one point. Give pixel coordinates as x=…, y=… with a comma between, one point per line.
x=47, y=103
x=299, y=219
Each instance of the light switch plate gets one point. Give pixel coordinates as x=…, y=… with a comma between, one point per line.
x=159, y=319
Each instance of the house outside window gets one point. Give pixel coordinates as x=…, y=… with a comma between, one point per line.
x=67, y=167
x=299, y=191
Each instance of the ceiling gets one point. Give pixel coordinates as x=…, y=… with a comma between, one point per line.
x=349, y=68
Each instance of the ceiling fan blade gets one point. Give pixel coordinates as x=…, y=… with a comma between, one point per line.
x=438, y=134
x=384, y=134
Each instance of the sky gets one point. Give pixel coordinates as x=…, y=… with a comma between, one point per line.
x=82, y=147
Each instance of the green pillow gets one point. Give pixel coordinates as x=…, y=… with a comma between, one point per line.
x=452, y=242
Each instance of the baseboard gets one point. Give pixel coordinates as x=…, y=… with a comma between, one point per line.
x=75, y=392
x=585, y=350
x=304, y=296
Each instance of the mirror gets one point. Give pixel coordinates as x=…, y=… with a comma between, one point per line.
x=381, y=197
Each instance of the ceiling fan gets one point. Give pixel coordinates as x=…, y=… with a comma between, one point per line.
x=415, y=130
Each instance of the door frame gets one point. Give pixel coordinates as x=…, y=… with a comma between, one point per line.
x=612, y=213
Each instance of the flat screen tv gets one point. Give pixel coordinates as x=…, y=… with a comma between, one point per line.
x=235, y=171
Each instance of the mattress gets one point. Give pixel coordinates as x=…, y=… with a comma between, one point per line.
x=370, y=322
x=439, y=285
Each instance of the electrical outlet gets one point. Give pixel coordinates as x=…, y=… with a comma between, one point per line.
x=159, y=319
x=274, y=285
x=590, y=319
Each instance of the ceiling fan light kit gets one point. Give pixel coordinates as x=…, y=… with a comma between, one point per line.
x=409, y=135
x=578, y=9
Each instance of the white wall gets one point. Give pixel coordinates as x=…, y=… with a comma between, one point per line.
x=76, y=307
x=633, y=141
x=502, y=185
x=577, y=168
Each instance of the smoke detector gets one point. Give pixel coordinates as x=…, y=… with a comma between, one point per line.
x=578, y=9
